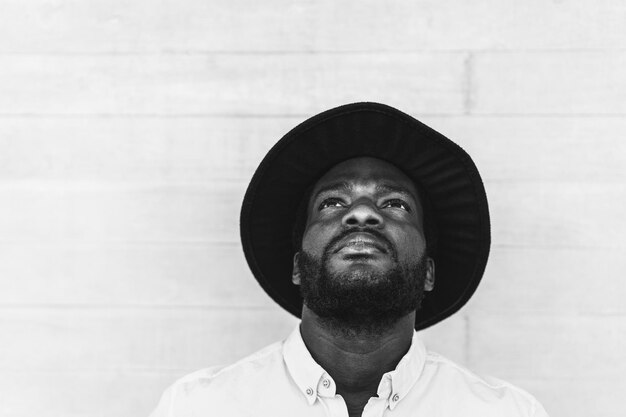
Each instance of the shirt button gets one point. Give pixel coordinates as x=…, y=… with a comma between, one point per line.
x=326, y=383
x=309, y=391
x=396, y=397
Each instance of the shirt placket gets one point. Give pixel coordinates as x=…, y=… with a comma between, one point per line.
x=335, y=406
x=376, y=406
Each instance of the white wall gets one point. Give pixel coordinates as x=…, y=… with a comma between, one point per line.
x=129, y=130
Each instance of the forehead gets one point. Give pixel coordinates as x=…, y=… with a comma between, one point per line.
x=366, y=171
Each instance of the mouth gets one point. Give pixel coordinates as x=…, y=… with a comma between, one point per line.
x=360, y=243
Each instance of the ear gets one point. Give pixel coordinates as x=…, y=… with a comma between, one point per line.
x=295, y=274
x=429, y=283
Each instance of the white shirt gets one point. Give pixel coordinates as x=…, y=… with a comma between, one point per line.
x=283, y=380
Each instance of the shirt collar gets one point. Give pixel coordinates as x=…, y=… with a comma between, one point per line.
x=306, y=373
x=313, y=381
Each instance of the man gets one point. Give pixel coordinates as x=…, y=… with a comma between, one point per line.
x=342, y=225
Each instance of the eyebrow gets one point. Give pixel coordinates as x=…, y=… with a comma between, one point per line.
x=380, y=188
x=388, y=188
x=335, y=186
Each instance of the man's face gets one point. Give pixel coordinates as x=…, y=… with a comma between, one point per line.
x=363, y=260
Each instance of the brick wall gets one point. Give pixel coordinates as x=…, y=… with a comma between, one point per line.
x=129, y=130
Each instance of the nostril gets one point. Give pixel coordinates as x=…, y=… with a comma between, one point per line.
x=362, y=214
x=362, y=220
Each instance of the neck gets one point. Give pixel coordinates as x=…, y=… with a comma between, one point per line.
x=356, y=361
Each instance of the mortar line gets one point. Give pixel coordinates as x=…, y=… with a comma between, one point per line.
x=468, y=99
x=467, y=356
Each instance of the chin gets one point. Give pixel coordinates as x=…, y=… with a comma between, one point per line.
x=360, y=296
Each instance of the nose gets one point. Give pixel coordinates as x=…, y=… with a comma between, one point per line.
x=362, y=214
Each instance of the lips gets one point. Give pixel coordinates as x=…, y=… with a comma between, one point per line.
x=360, y=241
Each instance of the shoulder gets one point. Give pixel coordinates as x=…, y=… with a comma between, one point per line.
x=473, y=389
x=450, y=369
x=256, y=364
x=203, y=389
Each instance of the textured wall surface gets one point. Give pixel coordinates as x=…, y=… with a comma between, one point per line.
x=129, y=130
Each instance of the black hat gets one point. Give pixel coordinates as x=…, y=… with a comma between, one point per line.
x=444, y=173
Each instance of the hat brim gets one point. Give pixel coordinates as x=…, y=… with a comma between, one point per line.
x=445, y=172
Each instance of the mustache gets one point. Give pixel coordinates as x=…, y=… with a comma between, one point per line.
x=378, y=235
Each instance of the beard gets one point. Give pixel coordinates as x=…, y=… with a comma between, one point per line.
x=361, y=301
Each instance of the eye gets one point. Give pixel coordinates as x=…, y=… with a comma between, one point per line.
x=330, y=202
x=396, y=203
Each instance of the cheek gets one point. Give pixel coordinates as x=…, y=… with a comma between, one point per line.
x=315, y=239
x=410, y=242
